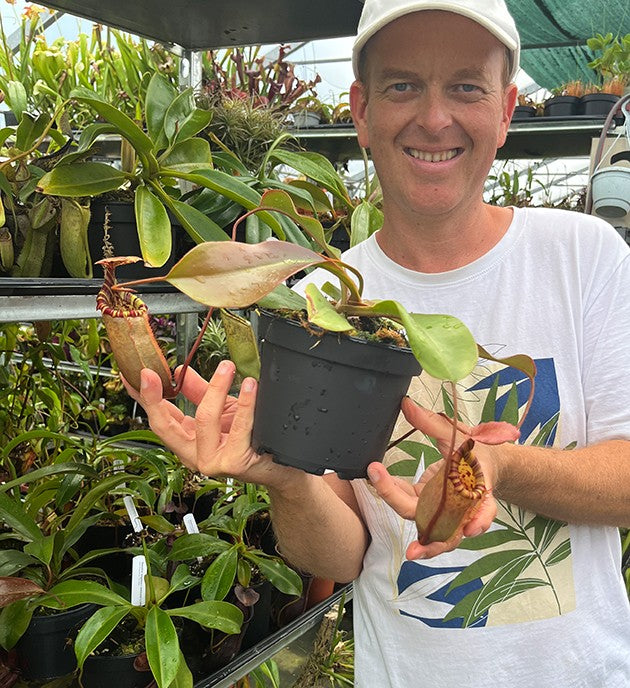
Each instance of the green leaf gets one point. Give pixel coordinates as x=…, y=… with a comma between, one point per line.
x=235, y=275
x=212, y=614
x=41, y=549
x=29, y=130
x=189, y=547
x=14, y=515
x=241, y=343
x=196, y=121
x=182, y=579
x=13, y=560
x=160, y=94
x=316, y=167
x=405, y=468
x=81, y=179
x=510, y=410
x=219, y=576
x=199, y=226
x=15, y=95
x=154, y=227
x=180, y=108
x=46, y=471
x=322, y=313
x=283, y=297
x=74, y=592
x=162, y=646
x=366, y=219
x=485, y=565
x=277, y=573
x=184, y=677
x=97, y=629
x=14, y=620
x=188, y=156
x=126, y=126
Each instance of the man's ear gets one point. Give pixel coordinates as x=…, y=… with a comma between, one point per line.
x=358, y=106
x=509, y=103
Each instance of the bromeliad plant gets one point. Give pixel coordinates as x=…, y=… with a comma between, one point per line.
x=232, y=275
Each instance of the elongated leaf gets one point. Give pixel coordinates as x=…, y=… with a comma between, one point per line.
x=14, y=514
x=317, y=167
x=88, y=501
x=275, y=198
x=162, y=646
x=235, y=275
x=561, y=552
x=42, y=548
x=29, y=130
x=182, y=579
x=13, y=589
x=13, y=560
x=15, y=95
x=97, y=629
x=160, y=94
x=212, y=614
x=184, y=677
x=14, y=620
x=278, y=574
x=321, y=311
x=126, y=126
x=199, y=226
x=283, y=297
x=154, y=228
x=483, y=566
x=321, y=201
x=366, y=219
x=492, y=538
x=188, y=156
x=241, y=343
x=189, y=547
x=81, y=179
x=178, y=111
x=74, y=592
x=219, y=576
x=46, y=471
x=196, y=121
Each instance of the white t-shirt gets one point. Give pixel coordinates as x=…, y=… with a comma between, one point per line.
x=533, y=603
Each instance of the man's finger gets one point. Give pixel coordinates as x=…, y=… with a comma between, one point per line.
x=397, y=493
x=193, y=385
x=210, y=407
x=432, y=424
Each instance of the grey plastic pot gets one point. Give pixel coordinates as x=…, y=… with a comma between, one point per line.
x=610, y=189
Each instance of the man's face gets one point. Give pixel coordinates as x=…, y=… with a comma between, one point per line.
x=433, y=109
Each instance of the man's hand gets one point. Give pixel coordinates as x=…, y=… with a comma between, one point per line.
x=217, y=440
x=403, y=497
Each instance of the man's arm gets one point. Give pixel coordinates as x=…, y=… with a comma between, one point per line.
x=328, y=538
x=316, y=518
x=587, y=485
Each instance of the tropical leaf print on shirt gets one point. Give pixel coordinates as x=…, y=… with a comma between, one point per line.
x=520, y=570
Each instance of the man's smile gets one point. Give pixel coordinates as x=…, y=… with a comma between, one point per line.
x=434, y=156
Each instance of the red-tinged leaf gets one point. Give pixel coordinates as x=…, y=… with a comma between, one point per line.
x=495, y=432
x=13, y=589
x=227, y=274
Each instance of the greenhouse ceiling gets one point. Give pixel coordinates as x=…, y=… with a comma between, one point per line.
x=554, y=32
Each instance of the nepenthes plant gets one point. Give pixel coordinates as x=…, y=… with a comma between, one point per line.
x=234, y=275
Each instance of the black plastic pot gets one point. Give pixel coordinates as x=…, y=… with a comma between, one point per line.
x=103, y=671
x=598, y=104
x=523, y=112
x=45, y=651
x=327, y=402
x=562, y=106
x=123, y=236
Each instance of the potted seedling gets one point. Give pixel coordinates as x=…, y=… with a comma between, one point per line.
x=612, y=66
x=565, y=100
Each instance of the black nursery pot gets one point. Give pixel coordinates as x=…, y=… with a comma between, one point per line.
x=523, y=112
x=598, y=104
x=327, y=402
x=102, y=671
x=562, y=106
x=123, y=236
x=45, y=650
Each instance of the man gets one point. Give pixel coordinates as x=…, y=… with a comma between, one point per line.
x=531, y=601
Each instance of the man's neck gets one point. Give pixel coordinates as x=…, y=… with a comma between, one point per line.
x=441, y=244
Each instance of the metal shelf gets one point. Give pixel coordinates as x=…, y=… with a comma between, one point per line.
x=267, y=648
x=542, y=137
x=204, y=24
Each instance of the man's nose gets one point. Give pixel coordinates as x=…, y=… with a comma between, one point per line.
x=433, y=113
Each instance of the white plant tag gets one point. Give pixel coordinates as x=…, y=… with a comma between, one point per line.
x=136, y=523
x=138, y=585
x=191, y=527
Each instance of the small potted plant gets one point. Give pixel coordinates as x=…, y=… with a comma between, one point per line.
x=565, y=100
x=333, y=333
x=525, y=109
x=612, y=67
x=309, y=111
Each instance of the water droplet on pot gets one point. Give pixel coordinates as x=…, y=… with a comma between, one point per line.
x=323, y=410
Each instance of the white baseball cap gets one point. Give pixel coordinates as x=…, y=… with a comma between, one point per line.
x=493, y=15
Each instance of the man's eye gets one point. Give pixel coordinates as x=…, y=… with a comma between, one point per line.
x=468, y=88
x=401, y=87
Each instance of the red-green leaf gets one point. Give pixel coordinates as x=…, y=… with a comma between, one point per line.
x=13, y=589
x=235, y=275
